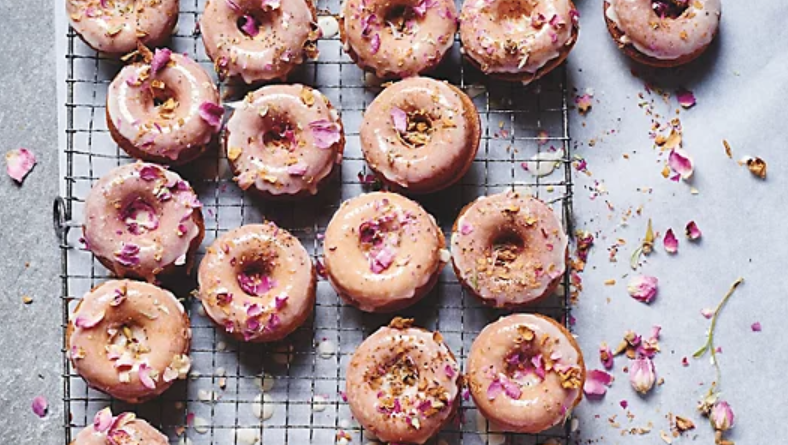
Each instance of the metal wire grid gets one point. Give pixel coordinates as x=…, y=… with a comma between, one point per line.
x=512, y=119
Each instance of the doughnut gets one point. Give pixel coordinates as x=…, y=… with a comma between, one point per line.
x=284, y=140
x=402, y=383
x=163, y=109
x=125, y=428
x=257, y=282
x=663, y=33
x=518, y=40
x=259, y=40
x=115, y=27
x=129, y=339
x=525, y=373
x=143, y=221
x=397, y=38
x=383, y=252
x=420, y=135
x=509, y=249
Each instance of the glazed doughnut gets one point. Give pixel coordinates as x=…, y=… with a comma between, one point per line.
x=663, y=33
x=402, y=383
x=115, y=27
x=164, y=109
x=284, y=140
x=509, y=249
x=257, y=282
x=143, y=221
x=129, y=339
x=525, y=373
x=125, y=428
x=398, y=38
x=518, y=40
x=259, y=40
x=420, y=135
x=383, y=252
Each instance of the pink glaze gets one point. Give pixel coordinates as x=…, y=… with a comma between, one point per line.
x=451, y=143
x=284, y=140
x=402, y=383
x=516, y=36
x=116, y=26
x=160, y=132
x=123, y=429
x=276, y=37
x=525, y=373
x=398, y=38
x=142, y=220
x=129, y=339
x=383, y=252
x=666, y=38
x=257, y=282
x=515, y=276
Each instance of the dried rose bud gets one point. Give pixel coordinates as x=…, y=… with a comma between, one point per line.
x=722, y=416
x=642, y=375
x=643, y=288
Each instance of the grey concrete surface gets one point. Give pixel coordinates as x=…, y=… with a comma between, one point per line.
x=30, y=359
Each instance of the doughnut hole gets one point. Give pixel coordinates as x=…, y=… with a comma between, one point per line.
x=139, y=216
x=254, y=274
x=279, y=132
x=129, y=338
x=670, y=9
x=519, y=364
x=506, y=248
x=419, y=129
x=513, y=11
x=253, y=23
x=399, y=374
x=164, y=99
x=400, y=19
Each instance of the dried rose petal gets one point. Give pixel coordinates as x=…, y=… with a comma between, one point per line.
x=686, y=98
x=127, y=255
x=119, y=437
x=102, y=420
x=381, y=260
x=511, y=388
x=160, y=60
x=19, y=162
x=494, y=390
x=692, y=231
x=671, y=242
x=144, y=374
x=707, y=312
x=40, y=406
x=367, y=23
x=254, y=310
x=421, y=8
x=374, y=44
x=449, y=370
x=681, y=162
x=756, y=327
x=298, y=169
x=250, y=26
x=280, y=302
x=466, y=229
x=642, y=375
x=597, y=382
x=325, y=132
x=212, y=114
x=400, y=119
x=88, y=321
x=149, y=172
x=255, y=284
x=643, y=288
x=606, y=356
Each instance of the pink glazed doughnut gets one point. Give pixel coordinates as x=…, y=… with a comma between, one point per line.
x=518, y=40
x=259, y=40
x=257, y=282
x=663, y=33
x=525, y=373
x=125, y=428
x=143, y=221
x=398, y=38
x=284, y=141
x=420, y=135
x=116, y=27
x=509, y=249
x=402, y=383
x=129, y=339
x=383, y=252
x=164, y=109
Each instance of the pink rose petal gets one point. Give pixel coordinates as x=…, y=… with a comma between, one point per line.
x=40, y=406
x=400, y=119
x=280, y=302
x=119, y=437
x=692, y=231
x=597, y=382
x=606, y=356
x=466, y=229
x=686, y=98
x=149, y=172
x=494, y=390
x=511, y=389
x=250, y=27
x=298, y=169
x=624, y=404
x=88, y=321
x=19, y=162
x=671, y=242
x=374, y=44
x=681, y=162
x=707, y=313
x=325, y=133
x=756, y=327
x=160, y=60
x=102, y=420
x=144, y=374
x=212, y=114
x=643, y=288
x=381, y=260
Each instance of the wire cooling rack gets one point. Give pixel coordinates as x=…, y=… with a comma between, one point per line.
x=303, y=377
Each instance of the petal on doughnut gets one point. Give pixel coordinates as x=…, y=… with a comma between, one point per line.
x=19, y=162
x=145, y=373
x=212, y=114
x=381, y=260
x=128, y=255
x=160, y=60
x=119, y=437
x=400, y=119
x=421, y=8
x=250, y=26
x=597, y=382
x=297, y=169
x=374, y=44
x=103, y=420
x=87, y=322
x=681, y=162
x=494, y=390
x=280, y=302
x=325, y=132
x=150, y=172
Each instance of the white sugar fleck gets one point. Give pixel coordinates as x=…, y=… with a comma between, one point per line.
x=247, y=436
x=263, y=406
x=319, y=403
x=201, y=425
x=543, y=163
x=329, y=26
x=326, y=349
x=221, y=346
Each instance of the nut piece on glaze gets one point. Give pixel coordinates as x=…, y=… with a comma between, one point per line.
x=129, y=339
x=509, y=249
x=662, y=33
x=163, y=109
x=257, y=282
x=525, y=373
x=143, y=221
x=420, y=135
x=398, y=38
x=403, y=383
x=283, y=141
x=518, y=40
x=117, y=27
x=121, y=429
x=259, y=40
x=383, y=252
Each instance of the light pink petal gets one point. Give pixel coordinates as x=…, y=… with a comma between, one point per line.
x=19, y=162
x=449, y=370
x=707, y=312
x=686, y=98
x=145, y=377
x=381, y=260
x=160, y=59
x=597, y=382
x=212, y=114
x=756, y=327
x=511, y=388
x=643, y=288
x=692, y=231
x=671, y=242
x=250, y=26
x=606, y=356
x=494, y=390
x=254, y=310
x=374, y=44
x=681, y=162
x=102, y=420
x=298, y=169
x=150, y=172
x=40, y=406
x=400, y=119
x=88, y=321
x=325, y=133
x=466, y=229
x=280, y=302
x=722, y=418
